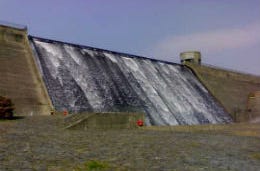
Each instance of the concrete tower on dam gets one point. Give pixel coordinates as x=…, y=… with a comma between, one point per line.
x=191, y=57
x=19, y=76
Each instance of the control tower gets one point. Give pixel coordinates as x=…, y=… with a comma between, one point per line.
x=191, y=56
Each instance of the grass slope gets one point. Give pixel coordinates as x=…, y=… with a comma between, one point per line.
x=42, y=143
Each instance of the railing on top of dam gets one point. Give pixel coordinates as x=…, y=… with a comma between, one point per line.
x=228, y=69
x=14, y=25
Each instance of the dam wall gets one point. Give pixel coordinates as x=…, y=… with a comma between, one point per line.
x=253, y=107
x=106, y=120
x=86, y=79
x=230, y=88
x=19, y=75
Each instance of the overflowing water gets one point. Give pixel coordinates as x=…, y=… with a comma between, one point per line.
x=80, y=78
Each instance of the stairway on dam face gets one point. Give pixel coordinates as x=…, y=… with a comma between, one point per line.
x=80, y=79
x=19, y=78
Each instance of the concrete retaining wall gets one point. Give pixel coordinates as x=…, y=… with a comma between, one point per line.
x=19, y=76
x=253, y=107
x=103, y=120
x=231, y=89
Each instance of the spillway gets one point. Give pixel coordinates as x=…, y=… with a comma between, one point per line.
x=80, y=78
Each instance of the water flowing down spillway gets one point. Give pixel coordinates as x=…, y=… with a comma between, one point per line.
x=80, y=78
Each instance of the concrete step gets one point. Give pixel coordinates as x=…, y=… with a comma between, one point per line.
x=104, y=120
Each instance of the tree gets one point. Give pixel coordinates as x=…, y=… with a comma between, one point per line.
x=6, y=107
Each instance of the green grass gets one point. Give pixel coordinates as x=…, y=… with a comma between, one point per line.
x=93, y=165
x=255, y=156
x=238, y=129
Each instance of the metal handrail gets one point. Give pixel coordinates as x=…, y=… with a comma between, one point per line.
x=14, y=25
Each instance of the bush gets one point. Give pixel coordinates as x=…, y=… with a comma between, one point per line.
x=6, y=107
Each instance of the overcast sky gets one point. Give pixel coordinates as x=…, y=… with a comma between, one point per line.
x=227, y=32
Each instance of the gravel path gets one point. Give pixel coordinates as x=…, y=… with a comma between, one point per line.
x=41, y=143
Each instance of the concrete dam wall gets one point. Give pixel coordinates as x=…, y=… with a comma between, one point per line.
x=80, y=78
x=19, y=76
x=232, y=89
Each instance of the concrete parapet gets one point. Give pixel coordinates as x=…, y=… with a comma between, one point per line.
x=107, y=120
x=12, y=35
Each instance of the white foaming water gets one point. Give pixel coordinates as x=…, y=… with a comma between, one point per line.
x=72, y=53
x=53, y=50
x=111, y=57
x=55, y=56
x=89, y=52
x=157, y=103
x=82, y=79
x=169, y=94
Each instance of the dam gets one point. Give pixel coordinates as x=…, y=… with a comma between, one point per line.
x=42, y=75
x=80, y=78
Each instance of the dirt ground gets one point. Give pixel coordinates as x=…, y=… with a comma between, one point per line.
x=41, y=143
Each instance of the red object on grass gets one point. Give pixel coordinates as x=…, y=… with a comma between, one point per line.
x=65, y=112
x=140, y=122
